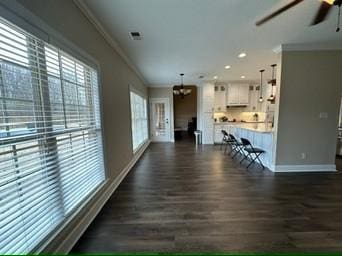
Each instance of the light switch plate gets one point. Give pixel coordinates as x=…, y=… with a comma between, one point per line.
x=323, y=115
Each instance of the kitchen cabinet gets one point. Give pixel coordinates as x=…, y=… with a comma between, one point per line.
x=233, y=94
x=253, y=105
x=208, y=98
x=207, y=113
x=237, y=95
x=220, y=98
x=244, y=94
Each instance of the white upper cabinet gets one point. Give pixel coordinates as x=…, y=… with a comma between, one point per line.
x=208, y=98
x=253, y=99
x=233, y=94
x=207, y=113
x=244, y=94
x=237, y=94
x=220, y=98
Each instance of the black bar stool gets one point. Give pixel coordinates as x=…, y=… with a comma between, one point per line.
x=225, y=140
x=248, y=147
x=235, y=145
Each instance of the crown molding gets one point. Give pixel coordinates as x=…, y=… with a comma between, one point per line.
x=277, y=49
x=91, y=17
x=159, y=85
x=308, y=47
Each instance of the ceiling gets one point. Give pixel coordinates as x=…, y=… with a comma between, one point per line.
x=200, y=37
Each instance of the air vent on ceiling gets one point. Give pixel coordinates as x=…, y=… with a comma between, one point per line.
x=135, y=35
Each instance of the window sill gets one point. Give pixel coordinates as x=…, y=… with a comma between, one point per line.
x=135, y=151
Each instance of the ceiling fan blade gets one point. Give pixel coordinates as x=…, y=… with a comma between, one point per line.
x=322, y=13
x=279, y=11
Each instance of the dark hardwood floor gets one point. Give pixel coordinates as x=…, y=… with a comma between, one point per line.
x=179, y=198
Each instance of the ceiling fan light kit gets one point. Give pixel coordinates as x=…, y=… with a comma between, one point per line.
x=321, y=15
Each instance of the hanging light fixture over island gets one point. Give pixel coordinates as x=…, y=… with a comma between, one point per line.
x=261, y=99
x=273, y=84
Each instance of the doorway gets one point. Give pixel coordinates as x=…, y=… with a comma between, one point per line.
x=185, y=114
x=159, y=119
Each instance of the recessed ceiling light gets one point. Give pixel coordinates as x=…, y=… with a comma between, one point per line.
x=242, y=55
x=243, y=77
x=215, y=77
x=227, y=67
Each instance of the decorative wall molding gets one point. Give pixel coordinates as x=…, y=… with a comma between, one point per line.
x=277, y=49
x=91, y=17
x=159, y=86
x=304, y=168
x=70, y=240
x=308, y=47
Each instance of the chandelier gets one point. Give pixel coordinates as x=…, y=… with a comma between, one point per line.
x=181, y=91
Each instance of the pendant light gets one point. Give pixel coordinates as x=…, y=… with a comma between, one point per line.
x=273, y=83
x=338, y=16
x=261, y=99
x=181, y=91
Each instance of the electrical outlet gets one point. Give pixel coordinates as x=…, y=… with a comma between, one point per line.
x=303, y=155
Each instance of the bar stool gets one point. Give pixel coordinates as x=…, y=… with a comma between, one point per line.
x=235, y=145
x=225, y=140
x=251, y=151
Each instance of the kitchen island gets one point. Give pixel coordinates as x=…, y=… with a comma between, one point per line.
x=260, y=134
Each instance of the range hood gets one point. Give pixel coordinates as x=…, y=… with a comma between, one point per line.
x=237, y=106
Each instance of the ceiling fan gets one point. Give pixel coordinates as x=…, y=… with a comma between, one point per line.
x=321, y=15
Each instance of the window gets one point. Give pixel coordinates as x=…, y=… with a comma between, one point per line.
x=139, y=120
x=51, y=156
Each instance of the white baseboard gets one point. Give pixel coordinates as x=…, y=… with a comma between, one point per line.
x=71, y=238
x=304, y=168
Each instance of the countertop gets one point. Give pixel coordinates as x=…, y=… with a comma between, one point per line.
x=258, y=127
x=261, y=127
x=239, y=122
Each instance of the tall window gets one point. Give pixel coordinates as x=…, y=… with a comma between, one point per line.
x=139, y=120
x=50, y=138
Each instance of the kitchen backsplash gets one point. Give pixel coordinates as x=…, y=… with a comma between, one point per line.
x=240, y=115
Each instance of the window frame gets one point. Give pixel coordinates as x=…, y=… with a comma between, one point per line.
x=145, y=99
x=19, y=16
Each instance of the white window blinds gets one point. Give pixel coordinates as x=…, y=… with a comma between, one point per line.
x=51, y=155
x=139, y=120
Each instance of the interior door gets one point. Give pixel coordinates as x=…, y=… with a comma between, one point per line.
x=160, y=119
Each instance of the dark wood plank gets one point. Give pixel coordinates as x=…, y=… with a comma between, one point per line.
x=179, y=198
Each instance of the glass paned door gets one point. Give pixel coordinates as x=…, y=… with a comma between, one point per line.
x=160, y=116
